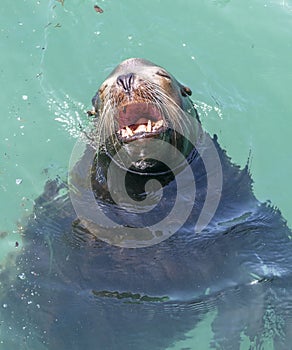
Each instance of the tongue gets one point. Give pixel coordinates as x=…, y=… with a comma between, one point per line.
x=137, y=113
x=142, y=120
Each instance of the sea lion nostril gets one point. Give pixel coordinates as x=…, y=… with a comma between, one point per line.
x=126, y=81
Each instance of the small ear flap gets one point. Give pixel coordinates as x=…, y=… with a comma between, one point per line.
x=92, y=112
x=185, y=91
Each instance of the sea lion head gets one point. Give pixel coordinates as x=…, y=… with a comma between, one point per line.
x=138, y=102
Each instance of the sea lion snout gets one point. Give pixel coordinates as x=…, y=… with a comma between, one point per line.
x=126, y=81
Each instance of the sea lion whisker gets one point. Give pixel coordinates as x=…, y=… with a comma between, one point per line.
x=175, y=113
x=102, y=123
x=171, y=109
x=152, y=91
x=108, y=128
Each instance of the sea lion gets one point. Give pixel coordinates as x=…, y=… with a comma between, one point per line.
x=109, y=275
x=145, y=130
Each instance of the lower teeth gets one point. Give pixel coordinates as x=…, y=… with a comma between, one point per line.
x=128, y=132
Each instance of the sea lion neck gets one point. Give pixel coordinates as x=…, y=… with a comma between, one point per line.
x=133, y=179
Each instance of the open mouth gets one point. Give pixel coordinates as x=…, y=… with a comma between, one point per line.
x=139, y=120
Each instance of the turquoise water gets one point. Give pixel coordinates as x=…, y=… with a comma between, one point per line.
x=235, y=56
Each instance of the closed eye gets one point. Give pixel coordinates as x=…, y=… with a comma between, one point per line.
x=163, y=74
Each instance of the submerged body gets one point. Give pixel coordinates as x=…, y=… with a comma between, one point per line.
x=83, y=287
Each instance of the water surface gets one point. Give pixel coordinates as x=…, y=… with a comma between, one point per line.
x=235, y=56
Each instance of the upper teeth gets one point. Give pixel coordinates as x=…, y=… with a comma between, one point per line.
x=129, y=131
x=149, y=127
x=141, y=128
x=158, y=124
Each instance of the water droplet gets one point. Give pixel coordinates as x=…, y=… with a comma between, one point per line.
x=22, y=276
x=18, y=181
